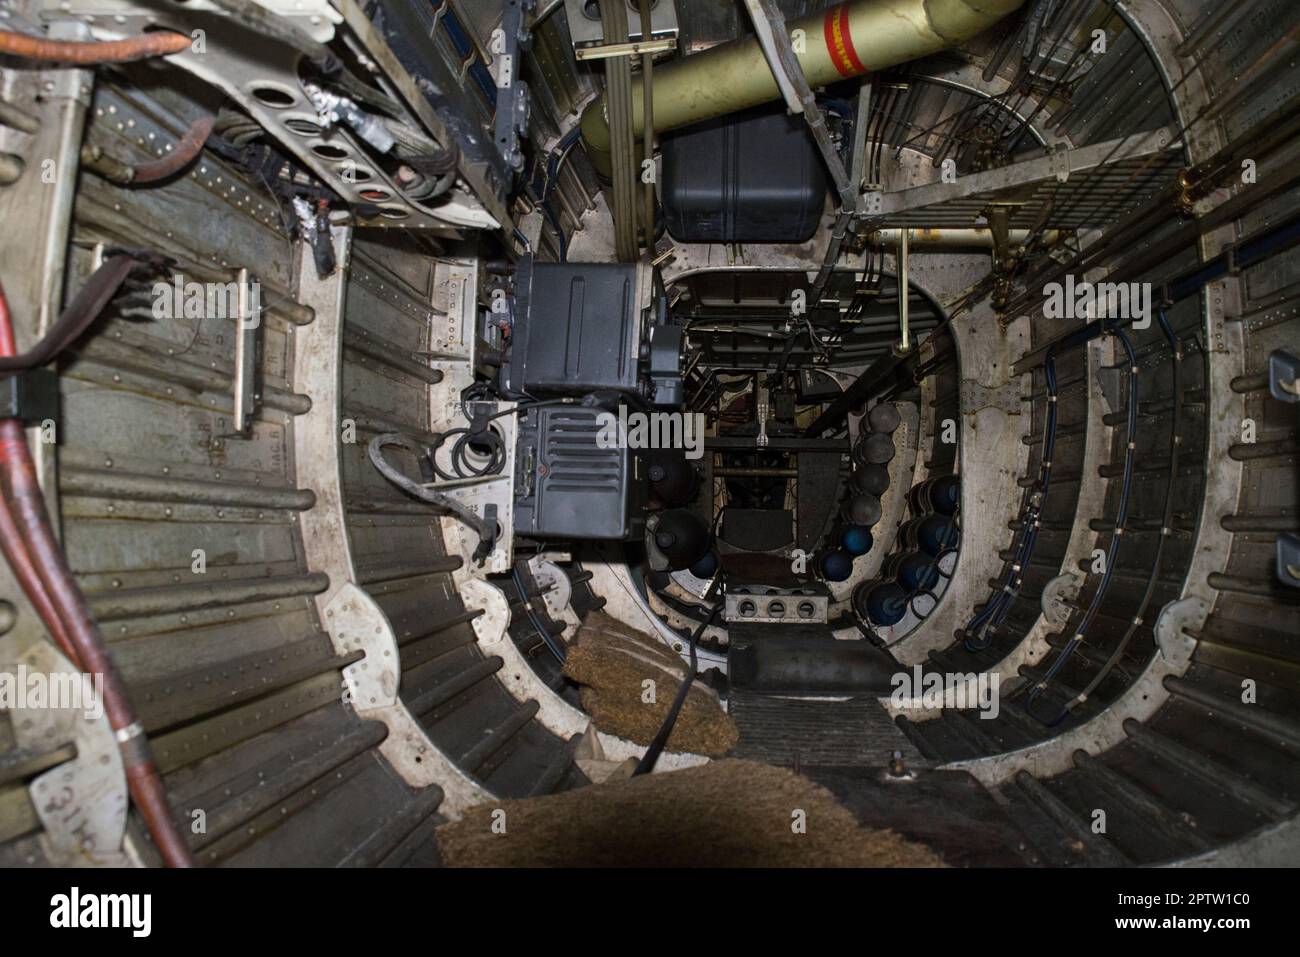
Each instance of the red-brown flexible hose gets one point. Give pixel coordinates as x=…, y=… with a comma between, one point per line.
x=23, y=503
x=11, y=541
x=90, y=53
x=187, y=149
x=25, y=572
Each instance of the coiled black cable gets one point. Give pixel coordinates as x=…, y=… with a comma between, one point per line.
x=487, y=534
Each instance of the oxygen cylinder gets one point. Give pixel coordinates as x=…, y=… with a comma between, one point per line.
x=672, y=480
x=707, y=566
x=916, y=571
x=835, y=565
x=936, y=533
x=856, y=539
x=945, y=494
x=877, y=448
x=873, y=479
x=884, y=417
x=862, y=509
x=881, y=603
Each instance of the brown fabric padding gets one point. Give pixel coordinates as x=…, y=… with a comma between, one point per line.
x=612, y=661
x=723, y=814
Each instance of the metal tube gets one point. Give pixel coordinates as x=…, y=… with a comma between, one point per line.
x=848, y=40
x=904, y=342
x=729, y=472
x=978, y=237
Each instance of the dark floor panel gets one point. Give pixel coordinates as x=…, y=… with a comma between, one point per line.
x=853, y=732
x=948, y=811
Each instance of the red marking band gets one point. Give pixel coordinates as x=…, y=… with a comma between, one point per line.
x=839, y=42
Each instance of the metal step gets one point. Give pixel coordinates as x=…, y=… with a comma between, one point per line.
x=818, y=732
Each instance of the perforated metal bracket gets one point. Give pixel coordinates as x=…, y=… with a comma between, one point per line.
x=976, y=396
x=261, y=74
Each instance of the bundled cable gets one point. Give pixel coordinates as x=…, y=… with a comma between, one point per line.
x=485, y=441
x=979, y=633
x=1166, y=526
x=1121, y=516
x=84, y=309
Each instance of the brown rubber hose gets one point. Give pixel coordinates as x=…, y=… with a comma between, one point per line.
x=90, y=53
x=21, y=497
x=189, y=147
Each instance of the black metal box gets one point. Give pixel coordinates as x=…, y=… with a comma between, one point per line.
x=578, y=328
x=567, y=485
x=753, y=177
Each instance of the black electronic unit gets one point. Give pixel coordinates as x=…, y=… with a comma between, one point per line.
x=567, y=485
x=579, y=328
x=752, y=177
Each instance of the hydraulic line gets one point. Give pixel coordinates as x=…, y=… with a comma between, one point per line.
x=92, y=53
x=1121, y=515
x=186, y=151
x=55, y=592
x=1166, y=523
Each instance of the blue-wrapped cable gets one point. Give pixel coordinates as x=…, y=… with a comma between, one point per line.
x=1175, y=443
x=1121, y=515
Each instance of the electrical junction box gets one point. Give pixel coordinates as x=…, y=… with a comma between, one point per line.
x=585, y=29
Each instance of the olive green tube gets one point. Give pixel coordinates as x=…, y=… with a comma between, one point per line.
x=847, y=40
